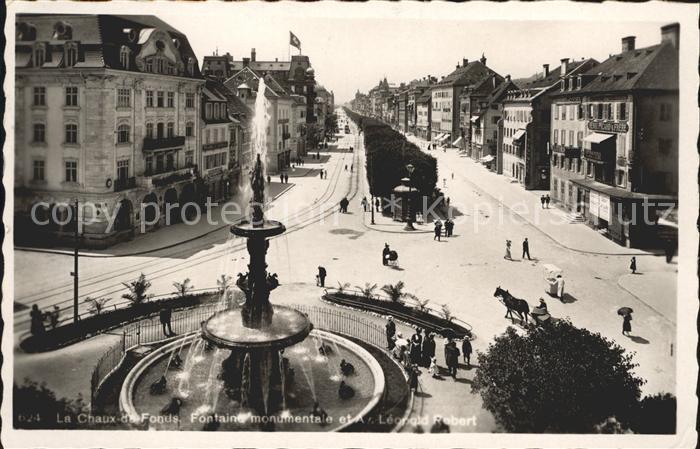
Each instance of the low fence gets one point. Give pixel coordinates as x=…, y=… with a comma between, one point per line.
x=150, y=331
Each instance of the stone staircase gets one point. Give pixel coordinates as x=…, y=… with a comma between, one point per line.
x=574, y=217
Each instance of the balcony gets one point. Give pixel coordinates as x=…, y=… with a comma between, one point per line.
x=621, y=161
x=214, y=145
x=157, y=143
x=124, y=183
x=165, y=176
x=572, y=152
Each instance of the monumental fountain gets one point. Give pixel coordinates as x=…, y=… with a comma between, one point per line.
x=255, y=364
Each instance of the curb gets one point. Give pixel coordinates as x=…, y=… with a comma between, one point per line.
x=148, y=251
x=661, y=315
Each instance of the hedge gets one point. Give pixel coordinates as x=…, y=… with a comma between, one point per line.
x=388, y=153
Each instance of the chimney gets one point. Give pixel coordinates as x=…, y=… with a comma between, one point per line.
x=628, y=43
x=495, y=82
x=252, y=55
x=671, y=33
x=546, y=70
x=246, y=62
x=465, y=61
x=507, y=78
x=564, y=66
x=483, y=59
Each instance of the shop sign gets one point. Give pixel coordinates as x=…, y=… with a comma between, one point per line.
x=593, y=203
x=599, y=205
x=608, y=126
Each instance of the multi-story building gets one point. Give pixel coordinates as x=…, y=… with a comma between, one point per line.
x=615, y=140
x=526, y=124
x=484, y=129
x=106, y=114
x=298, y=127
x=217, y=132
x=445, y=126
x=416, y=88
x=361, y=103
x=423, y=115
x=240, y=151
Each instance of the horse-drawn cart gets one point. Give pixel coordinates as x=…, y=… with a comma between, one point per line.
x=540, y=316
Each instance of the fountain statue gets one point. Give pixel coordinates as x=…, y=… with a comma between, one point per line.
x=254, y=372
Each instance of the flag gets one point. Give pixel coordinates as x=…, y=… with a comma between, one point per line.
x=294, y=41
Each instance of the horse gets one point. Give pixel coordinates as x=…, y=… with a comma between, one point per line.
x=512, y=303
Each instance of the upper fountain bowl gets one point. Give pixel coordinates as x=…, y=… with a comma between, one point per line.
x=268, y=228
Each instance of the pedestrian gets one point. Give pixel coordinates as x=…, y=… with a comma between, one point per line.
x=428, y=349
x=282, y=178
x=633, y=265
x=416, y=341
x=526, y=249
x=467, y=351
x=320, y=174
x=449, y=226
x=453, y=175
x=166, y=314
x=286, y=178
x=560, y=287
x=364, y=204
x=543, y=305
x=346, y=167
x=321, y=276
x=386, y=252
x=626, y=324
x=447, y=202
x=413, y=374
x=451, y=358
x=269, y=179
x=542, y=200
x=434, y=369
x=53, y=316
x=377, y=204
x=547, y=199
x=390, y=332
x=438, y=230
x=508, y=255
x=37, y=321
x=444, y=182
x=439, y=426
x=352, y=166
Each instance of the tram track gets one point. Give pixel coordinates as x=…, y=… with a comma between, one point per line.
x=167, y=267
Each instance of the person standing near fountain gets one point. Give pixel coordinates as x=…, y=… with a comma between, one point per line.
x=166, y=315
x=390, y=332
x=321, y=276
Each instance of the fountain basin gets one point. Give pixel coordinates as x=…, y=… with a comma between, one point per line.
x=226, y=329
x=268, y=228
x=315, y=376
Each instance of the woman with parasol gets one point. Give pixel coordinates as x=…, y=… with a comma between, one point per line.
x=626, y=314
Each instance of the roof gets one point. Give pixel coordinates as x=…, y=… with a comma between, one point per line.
x=425, y=97
x=650, y=68
x=471, y=74
x=539, y=81
x=101, y=38
x=263, y=65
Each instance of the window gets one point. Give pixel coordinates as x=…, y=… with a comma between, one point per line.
x=38, y=167
x=123, y=98
x=170, y=161
x=579, y=112
x=39, y=96
x=171, y=129
x=160, y=130
x=71, y=171
x=39, y=133
x=189, y=100
x=189, y=129
x=123, y=169
x=563, y=112
x=620, y=177
x=124, y=53
x=622, y=111
x=160, y=99
x=149, y=130
x=591, y=112
x=572, y=115
x=123, y=133
x=579, y=138
x=563, y=137
x=589, y=168
x=71, y=54
x=216, y=110
x=149, y=65
x=71, y=133
x=190, y=66
x=609, y=111
x=599, y=111
x=665, y=112
x=71, y=96
x=171, y=99
x=571, y=138
x=149, y=164
x=665, y=146
x=39, y=55
x=556, y=136
x=149, y=98
x=207, y=135
x=189, y=158
x=207, y=110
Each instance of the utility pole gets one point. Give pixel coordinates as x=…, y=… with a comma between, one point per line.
x=74, y=273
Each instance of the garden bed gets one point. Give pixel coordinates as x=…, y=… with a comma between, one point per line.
x=401, y=311
x=74, y=332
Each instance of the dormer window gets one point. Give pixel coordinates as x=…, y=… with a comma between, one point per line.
x=563, y=85
x=62, y=31
x=25, y=32
x=39, y=54
x=70, y=54
x=579, y=82
x=124, y=57
x=190, y=66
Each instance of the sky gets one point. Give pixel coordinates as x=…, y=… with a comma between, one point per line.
x=356, y=52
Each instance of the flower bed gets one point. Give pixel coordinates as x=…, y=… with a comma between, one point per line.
x=402, y=312
x=73, y=332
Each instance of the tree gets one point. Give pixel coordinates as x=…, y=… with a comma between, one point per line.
x=223, y=284
x=394, y=291
x=35, y=406
x=342, y=286
x=97, y=304
x=367, y=290
x=137, y=290
x=656, y=414
x=446, y=312
x=182, y=288
x=556, y=379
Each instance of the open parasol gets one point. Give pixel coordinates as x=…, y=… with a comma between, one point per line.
x=622, y=311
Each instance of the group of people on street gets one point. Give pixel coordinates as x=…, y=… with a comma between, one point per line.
x=284, y=178
x=545, y=199
x=352, y=167
x=366, y=205
x=323, y=174
x=526, y=250
x=344, y=203
x=449, y=227
x=38, y=317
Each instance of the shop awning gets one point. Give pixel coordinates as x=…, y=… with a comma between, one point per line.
x=487, y=158
x=518, y=134
x=598, y=137
x=439, y=137
x=457, y=142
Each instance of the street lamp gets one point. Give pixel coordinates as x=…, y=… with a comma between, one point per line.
x=409, y=200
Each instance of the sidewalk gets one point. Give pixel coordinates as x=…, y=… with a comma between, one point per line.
x=170, y=236
x=525, y=204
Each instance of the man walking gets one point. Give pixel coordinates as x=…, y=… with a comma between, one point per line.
x=547, y=199
x=467, y=351
x=438, y=230
x=542, y=200
x=390, y=332
x=526, y=249
x=166, y=314
x=321, y=276
x=377, y=204
x=364, y=204
x=385, y=254
x=451, y=358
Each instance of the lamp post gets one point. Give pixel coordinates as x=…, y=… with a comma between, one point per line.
x=74, y=273
x=409, y=199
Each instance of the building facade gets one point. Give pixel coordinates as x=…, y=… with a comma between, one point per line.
x=107, y=114
x=615, y=140
x=217, y=133
x=423, y=115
